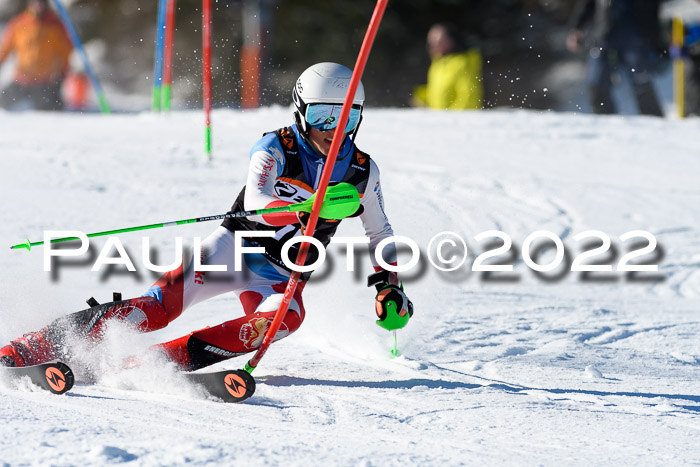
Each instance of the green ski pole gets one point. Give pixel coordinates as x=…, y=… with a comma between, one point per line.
x=341, y=201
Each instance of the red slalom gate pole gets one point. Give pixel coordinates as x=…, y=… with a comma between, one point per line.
x=206, y=72
x=323, y=184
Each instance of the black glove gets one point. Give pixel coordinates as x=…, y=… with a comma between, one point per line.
x=359, y=211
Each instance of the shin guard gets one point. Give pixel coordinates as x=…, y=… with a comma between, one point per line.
x=230, y=339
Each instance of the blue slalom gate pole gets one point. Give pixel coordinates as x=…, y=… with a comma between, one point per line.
x=75, y=39
x=158, y=62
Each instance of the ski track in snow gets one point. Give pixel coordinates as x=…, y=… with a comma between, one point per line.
x=508, y=368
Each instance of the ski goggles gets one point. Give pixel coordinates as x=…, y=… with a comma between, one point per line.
x=324, y=117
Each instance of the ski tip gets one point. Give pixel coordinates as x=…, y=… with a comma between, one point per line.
x=56, y=377
x=227, y=385
x=59, y=378
x=239, y=385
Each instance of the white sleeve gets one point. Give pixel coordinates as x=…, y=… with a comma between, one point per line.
x=265, y=166
x=374, y=219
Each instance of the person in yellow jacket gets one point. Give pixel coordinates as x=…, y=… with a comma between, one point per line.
x=454, y=76
x=42, y=46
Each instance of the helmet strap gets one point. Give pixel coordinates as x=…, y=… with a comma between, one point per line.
x=354, y=132
x=301, y=124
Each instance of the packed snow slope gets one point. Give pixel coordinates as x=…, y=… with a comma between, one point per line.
x=514, y=367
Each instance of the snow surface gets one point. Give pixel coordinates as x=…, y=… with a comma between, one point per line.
x=512, y=368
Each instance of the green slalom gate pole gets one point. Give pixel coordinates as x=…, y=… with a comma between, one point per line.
x=340, y=201
x=155, y=101
x=165, y=94
x=207, y=138
x=206, y=74
x=168, y=40
x=158, y=60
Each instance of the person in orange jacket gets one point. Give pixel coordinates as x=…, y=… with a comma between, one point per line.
x=42, y=46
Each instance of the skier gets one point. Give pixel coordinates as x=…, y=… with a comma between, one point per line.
x=285, y=168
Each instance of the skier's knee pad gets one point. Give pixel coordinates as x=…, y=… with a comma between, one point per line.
x=273, y=302
x=230, y=339
x=246, y=333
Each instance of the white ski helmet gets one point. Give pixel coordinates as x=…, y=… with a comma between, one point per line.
x=324, y=83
